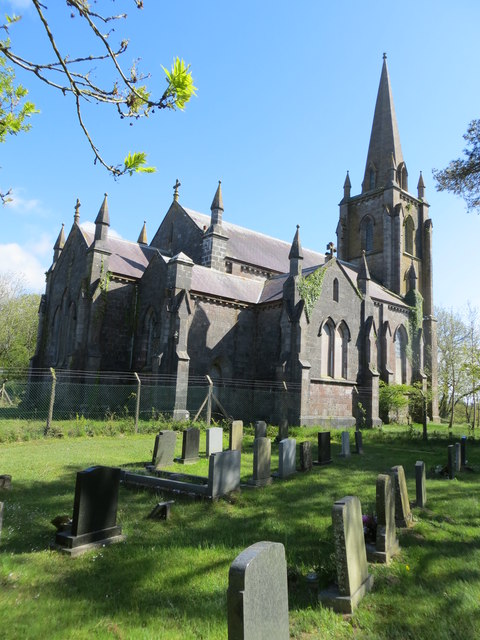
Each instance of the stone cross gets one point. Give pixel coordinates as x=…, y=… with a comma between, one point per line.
x=403, y=515
x=353, y=579
x=331, y=250
x=257, y=596
x=420, y=483
x=175, y=189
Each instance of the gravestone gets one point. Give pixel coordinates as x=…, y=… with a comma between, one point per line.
x=358, y=442
x=451, y=461
x=164, y=449
x=287, y=458
x=5, y=481
x=463, y=451
x=257, y=596
x=386, y=543
x=236, y=435
x=282, y=431
x=345, y=452
x=262, y=452
x=458, y=456
x=306, y=456
x=94, y=521
x=324, y=455
x=161, y=511
x=190, y=446
x=420, y=484
x=403, y=515
x=260, y=429
x=353, y=579
x=1, y=518
x=223, y=473
x=214, y=440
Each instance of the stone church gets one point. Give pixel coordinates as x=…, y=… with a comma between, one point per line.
x=208, y=297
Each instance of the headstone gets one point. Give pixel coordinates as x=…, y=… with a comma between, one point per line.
x=260, y=429
x=257, y=596
x=161, y=511
x=451, y=461
x=458, y=456
x=463, y=451
x=282, y=430
x=287, y=458
x=262, y=451
x=306, y=456
x=164, y=449
x=403, y=515
x=420, y=484
x=324, y=455
x=190, y=446
x=1, y=518
x=94, y=521
x=358, y=442
x=223, y=473
x=214, y=440
x=345, y=452
x=5, y=481
x=353, y=579
x=386, y=543
x=236, y=435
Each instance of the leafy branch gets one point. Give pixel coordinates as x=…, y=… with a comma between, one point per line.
x=127, y=92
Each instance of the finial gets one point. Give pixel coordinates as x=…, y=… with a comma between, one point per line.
x=331, y=250
x=175, y=190
x=76, y=217
x=384, y=56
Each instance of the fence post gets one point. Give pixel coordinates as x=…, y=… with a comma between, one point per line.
x=137, y=408
x=52, y=402
x=209, y=400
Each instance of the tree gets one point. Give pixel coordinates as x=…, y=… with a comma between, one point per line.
x=462, y=176
x=125, y=91
x=18, y=323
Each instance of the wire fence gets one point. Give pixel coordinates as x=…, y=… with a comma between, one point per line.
x=52, y=396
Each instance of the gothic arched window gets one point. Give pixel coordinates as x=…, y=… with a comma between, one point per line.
x=342, y=338
x=327, y=349
x=409, y=232
x=366, y=233
x=371, y=179
x=400, y=341
x=335, y=290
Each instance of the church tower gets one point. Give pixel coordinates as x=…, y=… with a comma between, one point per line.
x=390, y=226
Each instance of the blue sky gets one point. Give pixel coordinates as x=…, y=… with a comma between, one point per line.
x=286, y=94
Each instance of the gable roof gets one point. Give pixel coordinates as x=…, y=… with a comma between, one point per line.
x=254, y=248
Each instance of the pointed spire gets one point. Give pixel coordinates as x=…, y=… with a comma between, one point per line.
x=217, y=207
x=102, y=221
x=175, y=190
x=363, y=277
x=347, y=185
x=142, y=238
x=296, y=256
x=76, y=217
x=421, y=187
x=384, y=139
x=59, y=244
x=412, y=277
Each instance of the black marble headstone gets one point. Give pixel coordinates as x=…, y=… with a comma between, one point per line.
x=282, y=431
x=324, y=454
x=94, y=518
x=463, y=451
x=358, y=442
x=305, y=456
x=190, y=446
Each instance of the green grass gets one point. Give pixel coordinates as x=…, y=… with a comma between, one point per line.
x=169, y=579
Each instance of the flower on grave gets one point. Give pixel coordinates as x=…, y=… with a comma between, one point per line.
x=369, y=527
x=407, y=567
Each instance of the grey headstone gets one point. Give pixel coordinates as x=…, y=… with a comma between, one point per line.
x=287, y=455
x=262, y=452
x=420, y=483
x=190, y=446
x=451, y=461
x=282, y=430
x=306, y=456
x=1, y=518
x=214, y=440
x=5, y=481
x=223, y=473
x=260, y=429
x=164, y=449
x=94, y=520
x=386, y=544
x=257, y=596
x=353, y=579
x=236, y=435
x=403, y=515
x=463, y=443
x=358, y=442
x=458, y=456
x=345, y=452
x=324, y=451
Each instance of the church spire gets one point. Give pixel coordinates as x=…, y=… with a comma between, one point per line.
x=102, y=221
x=142, y=238
x=296, y=256
x=217, y=206
x=384, y=139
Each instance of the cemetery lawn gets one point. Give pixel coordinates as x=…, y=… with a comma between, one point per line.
x=169, y=579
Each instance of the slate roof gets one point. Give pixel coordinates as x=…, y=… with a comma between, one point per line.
x=377, y=292
x=256, y=249
x=225, y=285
